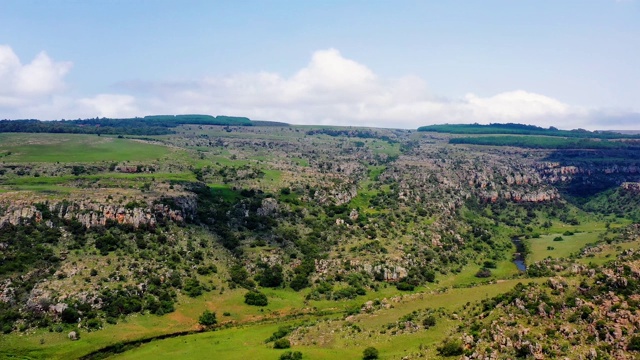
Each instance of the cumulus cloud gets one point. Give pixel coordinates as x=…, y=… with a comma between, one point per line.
x=110, y=105
x=27, y=84
x=330, y=89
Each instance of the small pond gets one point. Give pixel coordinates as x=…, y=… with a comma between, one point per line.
x=518, y=256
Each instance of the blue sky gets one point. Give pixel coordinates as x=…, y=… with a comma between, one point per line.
x=567, y=63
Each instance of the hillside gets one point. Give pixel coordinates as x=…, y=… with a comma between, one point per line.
x=333, y=238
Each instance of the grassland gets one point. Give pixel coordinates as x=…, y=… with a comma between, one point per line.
x=20, y=148
x=545, y=246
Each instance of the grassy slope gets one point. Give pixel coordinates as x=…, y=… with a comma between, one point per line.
x=561, y=249
x=75, y=148
x=248, y=342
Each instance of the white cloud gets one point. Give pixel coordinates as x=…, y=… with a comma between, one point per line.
x=330, y=89
x=22, y=85
x=110, y=105
x=334, y=90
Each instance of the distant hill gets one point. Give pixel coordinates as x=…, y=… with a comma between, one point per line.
x=148, y=125
x=521, y=129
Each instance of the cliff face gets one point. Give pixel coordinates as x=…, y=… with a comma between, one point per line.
x=532, y=195
x=554, y=172
x=92, y=214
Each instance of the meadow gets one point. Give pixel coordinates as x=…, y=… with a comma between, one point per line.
x=53, y=148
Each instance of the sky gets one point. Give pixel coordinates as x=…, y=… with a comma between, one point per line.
x=400, y=64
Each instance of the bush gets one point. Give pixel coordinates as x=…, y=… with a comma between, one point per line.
x=370, y=353
x=270, y=276
x=634, y=344
x=282, y=344
x=490, y=264
x=405, y=286
x=69, y=315
x=451, y=348
x=282, y=332
x=429, y=321
x=193, y=288
x=558, y=238
x=208, y=318
x=255, y=298
x=299, y=282
x=288, y=355
x=206, y=270
x=483, y=273
x=94, y=324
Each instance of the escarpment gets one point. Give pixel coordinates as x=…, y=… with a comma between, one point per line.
x=92, y=214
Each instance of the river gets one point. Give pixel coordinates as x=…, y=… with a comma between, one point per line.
x=518, y=256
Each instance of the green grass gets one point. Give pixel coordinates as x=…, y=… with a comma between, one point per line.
x=609, y=253
x=75, y=148
x=247, y=342
x=67, y=183
x=224, y=191
x=300, y=161
x=561, y=249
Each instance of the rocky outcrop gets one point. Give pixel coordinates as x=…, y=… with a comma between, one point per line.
x=92, y=214
x=268, y=207
x=633, y=187
x=384, y=272
x=534, y=196
x=553, y=172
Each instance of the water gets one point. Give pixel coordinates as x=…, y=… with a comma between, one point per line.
x=518, y=258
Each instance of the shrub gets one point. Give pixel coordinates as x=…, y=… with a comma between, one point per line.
x=370, y=353
x=429, y=321
x=405, y=286
x=634, y=344
x=490, y=264
x=558, y=238
x=483, y=273
x=270, y=276
x=299, y=282
x=69, y=315
x=208, y=318
x=282, y=332
x=255, y=298
x=193, y=288
x=288, y=355
x=94, y=324
x=282, y=344
x=206, y=270
x=451, y=348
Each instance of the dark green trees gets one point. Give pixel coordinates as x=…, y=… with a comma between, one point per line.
x=208, y=319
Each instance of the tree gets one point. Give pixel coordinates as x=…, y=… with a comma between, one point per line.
x=451, y=348
x=370, y=353
x=69, y=315
x=283, y=343
x=270, y=276
x=208, y=319
x=255, y=298
x=429, y=321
